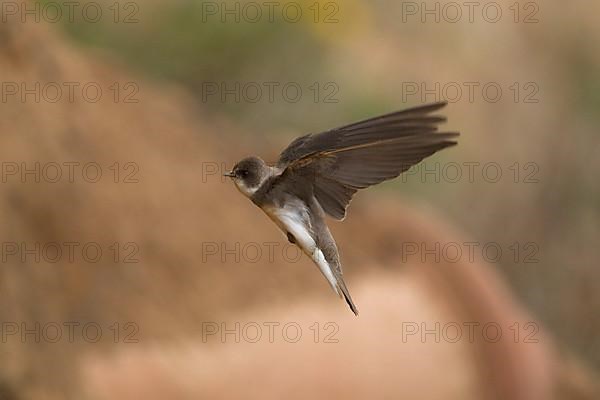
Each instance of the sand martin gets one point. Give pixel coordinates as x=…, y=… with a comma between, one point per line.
x=317, y=175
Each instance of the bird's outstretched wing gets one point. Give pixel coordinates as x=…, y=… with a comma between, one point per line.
x=340, y=161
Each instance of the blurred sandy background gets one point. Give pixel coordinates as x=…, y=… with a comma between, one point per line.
x=544, y=129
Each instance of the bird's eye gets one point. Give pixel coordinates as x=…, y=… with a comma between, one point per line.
x=243, y=173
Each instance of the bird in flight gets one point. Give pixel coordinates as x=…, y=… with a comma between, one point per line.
x=317, y=175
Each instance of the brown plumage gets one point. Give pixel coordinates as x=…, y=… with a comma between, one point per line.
x=318, y=174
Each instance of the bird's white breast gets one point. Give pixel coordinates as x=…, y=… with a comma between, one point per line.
x=294, y=218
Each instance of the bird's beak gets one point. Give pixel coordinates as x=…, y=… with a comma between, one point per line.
x=229, y=174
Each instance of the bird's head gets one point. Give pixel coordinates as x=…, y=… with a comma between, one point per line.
x=248, y=174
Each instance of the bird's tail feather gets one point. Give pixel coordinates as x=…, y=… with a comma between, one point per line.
x=343, y=292
x=334, y=277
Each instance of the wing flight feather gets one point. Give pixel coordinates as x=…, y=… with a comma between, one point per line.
x=341, y=161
